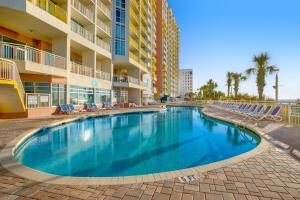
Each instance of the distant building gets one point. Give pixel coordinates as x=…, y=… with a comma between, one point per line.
x=185, y=81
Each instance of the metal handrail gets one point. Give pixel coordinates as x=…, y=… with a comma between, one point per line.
x=103, y=75
x=104, y=8
x=27, y=53
x=81, y=69
x=103, y=26
x=50, y=8
x=103, y=44
x=82, y=31
x=82, y=9
x=9, y=71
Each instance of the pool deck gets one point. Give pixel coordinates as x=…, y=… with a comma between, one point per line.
x=271, y=174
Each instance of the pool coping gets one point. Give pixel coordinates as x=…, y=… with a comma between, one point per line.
x=7, y=161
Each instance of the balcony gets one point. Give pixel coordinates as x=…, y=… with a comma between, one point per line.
x=135, y=4
x=133, y=56
x=103, y=45
x=133, y=44
x=82, y=9
x=134, y=16
x=76, y=28
x=103, y=75
x=81, y=69
x=29, y=54
x=134, y=30
x=104, y=27
x=143, y=41
x=51, y=8
x=143, y=53
x=105, y=10
x=126, y=81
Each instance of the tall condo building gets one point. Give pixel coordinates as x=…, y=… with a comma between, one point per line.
x=81, y=51
x=185, y=81
x=134, y=34
x=168, y=45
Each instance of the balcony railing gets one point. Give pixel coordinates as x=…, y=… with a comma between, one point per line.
x=133, y=80
x=126, y=79
x=27, y=53
x=133, y=56
x=82, y=9
x=9, y=71
x=133, y=43
x=51, y=8
x=133, y=15
x=81, y=69
x=134, y=29
x=75, y=27
x=103, y=75
x=103, y=44
x=104, y=26
x=104, y=8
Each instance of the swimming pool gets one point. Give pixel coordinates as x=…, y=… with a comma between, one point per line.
x=134, y=144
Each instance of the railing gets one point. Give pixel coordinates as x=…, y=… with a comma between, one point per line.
x=51, y=8
x=144, y=53
x=36, y=100
x=103, y=75
x=103, y=26
x=27, y=53
x=134, y=29
x=82, y=31
x=9, y=71
x=104, y=9
x=103, y=44
x=133, y=80
x=133, y=56
x=133, y=43
x=126, y=79
x=81, y=69
x=285, y=107
x=294, y=114
x=133, y=15
x=82, y=9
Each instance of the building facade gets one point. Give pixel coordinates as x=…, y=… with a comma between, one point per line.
x=80, y=51
x=168, y=45
x=185, y=82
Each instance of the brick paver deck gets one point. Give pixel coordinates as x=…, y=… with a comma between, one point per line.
x=273, y=174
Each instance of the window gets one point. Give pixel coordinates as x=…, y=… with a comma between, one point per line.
x=39, y=88
x=120, y=3
x=58, y=94
x=121, y=95
x=120, y=28
x=79, y=95
x=103, y=96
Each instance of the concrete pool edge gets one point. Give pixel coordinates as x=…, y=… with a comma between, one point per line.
x=7, y=161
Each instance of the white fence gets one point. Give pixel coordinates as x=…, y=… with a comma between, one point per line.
x=27, y=53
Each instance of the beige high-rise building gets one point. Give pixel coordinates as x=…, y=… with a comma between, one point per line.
x=185, y=82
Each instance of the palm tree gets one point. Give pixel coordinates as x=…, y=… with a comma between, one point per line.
x=229, y=82
x=261, y=69
x=237, y=78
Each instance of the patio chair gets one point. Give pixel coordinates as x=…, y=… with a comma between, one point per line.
x=72, y=109
x=274, y=115
x=63, y=109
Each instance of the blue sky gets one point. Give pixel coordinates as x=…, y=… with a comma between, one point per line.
x=223, y=35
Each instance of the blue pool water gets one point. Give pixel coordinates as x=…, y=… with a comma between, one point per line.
x=134, y=144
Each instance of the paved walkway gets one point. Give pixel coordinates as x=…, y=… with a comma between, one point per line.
x=273, y=174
